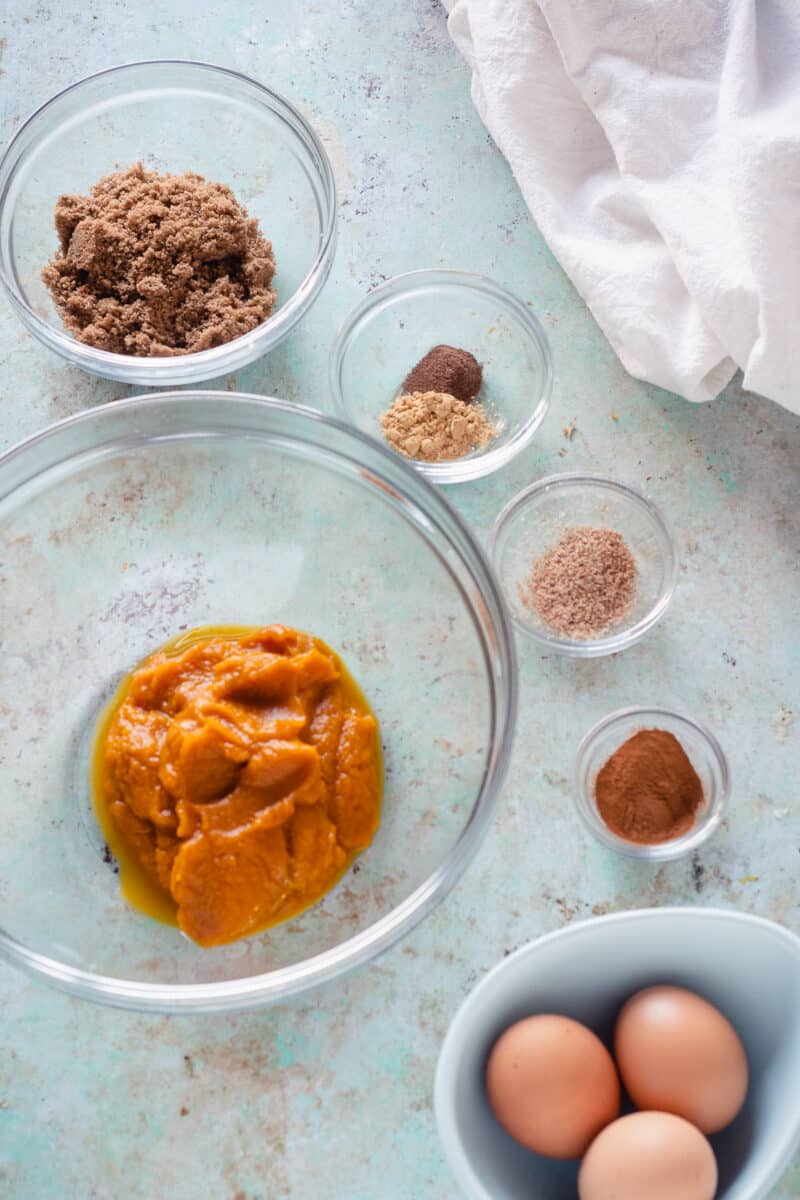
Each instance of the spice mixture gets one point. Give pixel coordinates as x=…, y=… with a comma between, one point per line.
x=446, y=369
x=435, y=426
x=648, y=791
x=158, y=265
x=585, y=584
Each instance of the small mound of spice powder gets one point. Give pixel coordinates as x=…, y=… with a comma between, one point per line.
x=648, y=791
x=585, y=584
x=446, y=369
x=435, y=426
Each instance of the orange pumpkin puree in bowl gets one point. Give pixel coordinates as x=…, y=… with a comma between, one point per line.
x=237, y=773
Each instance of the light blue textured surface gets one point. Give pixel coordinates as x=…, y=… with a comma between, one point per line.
x=331, y=1096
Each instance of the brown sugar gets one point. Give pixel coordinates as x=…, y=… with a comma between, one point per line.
x=446, y=369
x=648, y=791
x=435, y=426
x=585, y=584
x=155, y=265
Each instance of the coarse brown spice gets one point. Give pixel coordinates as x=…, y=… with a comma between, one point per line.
x=585, y=584
x=435, y=426
x=154, y=265
x=648, y=791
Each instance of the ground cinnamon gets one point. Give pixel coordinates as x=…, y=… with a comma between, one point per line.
x=648, y=791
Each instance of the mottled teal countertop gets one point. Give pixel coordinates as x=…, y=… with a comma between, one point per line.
x=331, y=1096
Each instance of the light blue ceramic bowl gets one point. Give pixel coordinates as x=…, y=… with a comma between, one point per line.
x=749, y=967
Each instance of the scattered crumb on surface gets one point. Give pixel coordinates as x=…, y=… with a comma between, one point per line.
x=783, y=720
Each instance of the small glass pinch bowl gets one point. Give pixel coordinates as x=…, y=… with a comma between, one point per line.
x=172, y=116
x=134, y=521
x=535, y=519
x=704, y=752
x=397, y=323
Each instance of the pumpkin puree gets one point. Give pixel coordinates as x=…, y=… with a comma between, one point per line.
x=237, y=774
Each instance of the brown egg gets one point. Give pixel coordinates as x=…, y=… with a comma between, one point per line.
x=649, y=1156
x=678, y=1054
x=552, y=1085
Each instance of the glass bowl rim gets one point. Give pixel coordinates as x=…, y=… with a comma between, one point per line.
x=610, y=643
x=387, y=471
x=493, y=458
x=213, y=360
x=661, y=851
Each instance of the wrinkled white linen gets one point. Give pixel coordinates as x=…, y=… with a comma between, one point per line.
x=657, y=145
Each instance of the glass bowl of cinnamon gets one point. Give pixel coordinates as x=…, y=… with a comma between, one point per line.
x=651, y=783
x=587, y=564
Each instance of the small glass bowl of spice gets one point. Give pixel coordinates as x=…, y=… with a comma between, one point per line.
x=448, y=369
x=587, y=564
x=651, y=783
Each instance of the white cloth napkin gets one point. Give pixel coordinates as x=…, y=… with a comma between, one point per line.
x=657, y=145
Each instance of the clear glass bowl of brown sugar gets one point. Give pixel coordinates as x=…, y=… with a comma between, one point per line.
x=172, y=117
x=708, y=763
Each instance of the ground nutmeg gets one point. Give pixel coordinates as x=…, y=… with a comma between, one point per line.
x=446, y=369
x=648, y=791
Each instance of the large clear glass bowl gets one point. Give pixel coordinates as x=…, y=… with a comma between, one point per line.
x=128, y=523
x=171, y=116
